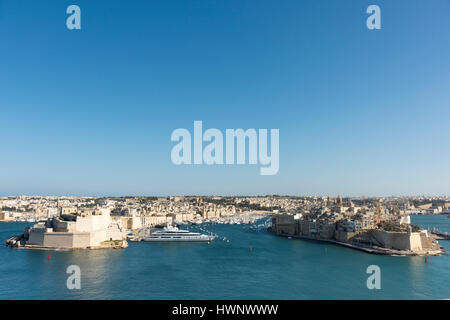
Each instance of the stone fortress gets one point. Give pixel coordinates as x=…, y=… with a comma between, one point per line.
x=368, y=237
x=94, y=229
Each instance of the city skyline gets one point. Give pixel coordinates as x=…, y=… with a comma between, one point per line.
x=343, y=196
x=91, y=111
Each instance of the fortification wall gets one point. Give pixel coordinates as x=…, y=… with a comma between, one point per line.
x=63, y=226
x=81, y=240
x=36, y=237
x=96, y=237
x=284, y=223
x=58, y=239
x=427, y=242
x=399, y=240
x=343, y=236
x=92, y=223
x=114, y=233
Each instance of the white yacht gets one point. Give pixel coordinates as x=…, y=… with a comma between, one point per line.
x=171, y=233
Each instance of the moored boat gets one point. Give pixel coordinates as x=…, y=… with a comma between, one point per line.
x=173, y=234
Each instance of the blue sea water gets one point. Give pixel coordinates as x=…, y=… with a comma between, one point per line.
x=275, y=268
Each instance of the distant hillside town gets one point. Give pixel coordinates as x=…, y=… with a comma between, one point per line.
x=380, y=226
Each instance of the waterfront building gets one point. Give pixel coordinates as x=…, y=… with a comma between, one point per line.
x=6, y=216
x=68, y=210
x=156, y=220
x=130, y=223
x=434, y=210
x=284, y=224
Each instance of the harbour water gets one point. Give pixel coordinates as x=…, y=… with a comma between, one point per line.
x=252, y=265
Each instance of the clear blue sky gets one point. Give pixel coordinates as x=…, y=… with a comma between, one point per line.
x=90, y=112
